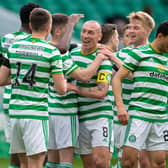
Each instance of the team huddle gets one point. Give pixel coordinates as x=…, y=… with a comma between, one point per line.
x=89, y=98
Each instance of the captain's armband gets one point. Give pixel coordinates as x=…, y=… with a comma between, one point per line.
x=104, y=77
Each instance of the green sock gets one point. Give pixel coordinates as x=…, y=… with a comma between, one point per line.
x=50, y=164
x=65, y=165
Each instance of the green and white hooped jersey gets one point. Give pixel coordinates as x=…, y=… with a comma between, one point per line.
x=5, y=43
x=32, y=62
x=126, y=83
x=92, y=108
x=149, y=98
x=63, y=104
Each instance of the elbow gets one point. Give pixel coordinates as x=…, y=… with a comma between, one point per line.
x=101, y=96
x=61, y=91
x=83, y=78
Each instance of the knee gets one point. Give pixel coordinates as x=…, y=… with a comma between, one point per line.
x=101, y=161
x=159, y=164
x=129, y=162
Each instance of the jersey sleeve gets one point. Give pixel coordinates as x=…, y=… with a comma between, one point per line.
x=132, y=60
x=56, y=63
x=105, y=72
x=69, y=65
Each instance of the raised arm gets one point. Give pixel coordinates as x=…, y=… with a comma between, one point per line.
x=65, y=41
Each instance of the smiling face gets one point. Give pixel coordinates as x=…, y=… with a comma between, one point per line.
x=137, y=33
x=90, y=35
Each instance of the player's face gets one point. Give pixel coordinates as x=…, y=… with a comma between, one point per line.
x=62, y=31
x=137, y=32
x=163, y=44
x=115, y=41
x=126, y=38
x=90, y=36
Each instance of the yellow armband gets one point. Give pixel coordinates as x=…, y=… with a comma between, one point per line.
x=104, y=77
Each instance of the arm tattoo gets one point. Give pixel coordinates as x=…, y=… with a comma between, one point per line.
x=101, y=86
x=79, y=88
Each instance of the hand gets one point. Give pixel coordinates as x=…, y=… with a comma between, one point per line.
x=123, y=116
x=71, y=87
x=103, y=46
x=102, y=56
x=74, y=18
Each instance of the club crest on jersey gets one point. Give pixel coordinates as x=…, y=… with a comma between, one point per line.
x=161, y=68
x=132, y=138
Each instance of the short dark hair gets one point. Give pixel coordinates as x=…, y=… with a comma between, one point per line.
x=58, y=20
x=25, y=12
x=39, y=18
x=162, y=28
x=107, y=31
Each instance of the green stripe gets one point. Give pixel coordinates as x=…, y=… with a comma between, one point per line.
x=110, y=132
x=95, y=117
x=149, y=119
x=29, y=107
x=63, y=114
x=73, y=130
x=145, y=110
x=61, y=105
x=127, y=131
x=149, y=101
x=29, y=117
x=29, y=98
x=45, y=131
x=151, y=80
x=34, y=89
x=150, y=90
x=95, y=110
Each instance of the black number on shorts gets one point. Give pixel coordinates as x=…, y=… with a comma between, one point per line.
x=105, y=131
x=165, y=135
x=29, y=76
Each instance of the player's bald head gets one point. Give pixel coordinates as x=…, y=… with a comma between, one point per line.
x=93, y=24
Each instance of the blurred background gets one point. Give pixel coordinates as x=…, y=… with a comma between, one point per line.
x=104, y=11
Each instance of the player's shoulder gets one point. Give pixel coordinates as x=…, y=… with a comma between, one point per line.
x=75, y=50
x=142, y=48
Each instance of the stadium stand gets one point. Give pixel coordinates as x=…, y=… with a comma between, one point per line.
x=95, y=9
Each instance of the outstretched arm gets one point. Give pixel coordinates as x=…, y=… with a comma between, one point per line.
x=64, y=42
x=86, y=74
x=98, y=92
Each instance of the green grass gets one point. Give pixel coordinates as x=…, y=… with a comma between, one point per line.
x=4, y=162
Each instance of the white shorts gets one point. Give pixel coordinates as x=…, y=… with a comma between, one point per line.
x=153, y=134
x=119, y=135
x=29, y=136
x=63, y=131
x=7, y=128
x=94, y=133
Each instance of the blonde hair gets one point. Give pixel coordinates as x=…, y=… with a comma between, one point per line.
x=147, y=21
